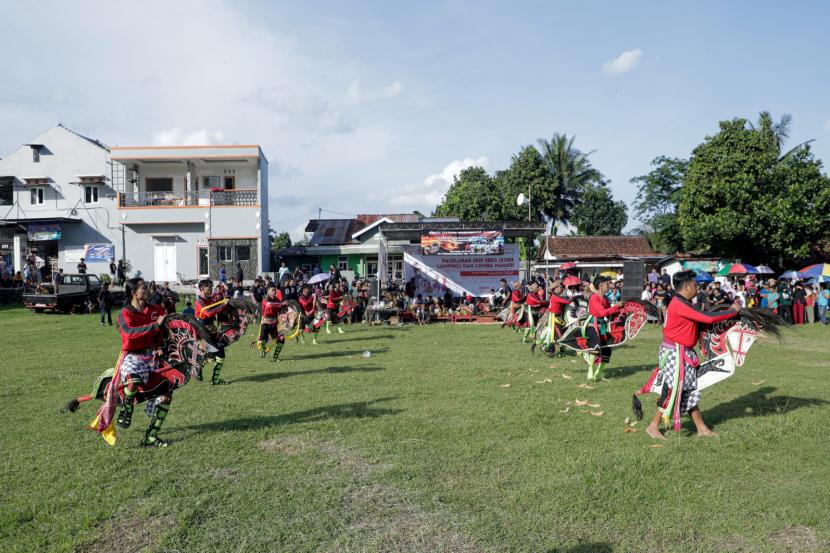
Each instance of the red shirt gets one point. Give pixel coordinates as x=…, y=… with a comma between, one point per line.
x=599, y=306
x=334, y=298
x=557, y=304
x=271, y=307
x=307, y=304
x=683, y=321
x=203, y=313
x=516, y=296
x=535, y=299
x=139, y=329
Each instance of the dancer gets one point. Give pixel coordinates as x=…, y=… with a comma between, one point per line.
x=208, y=306
x=139, y=374
x=549, y=329
x=335, y=294
x=535, y=301
x=599, y=309
x=517, y=300
x=308, y=308
x=679, y=364
x=269, y=325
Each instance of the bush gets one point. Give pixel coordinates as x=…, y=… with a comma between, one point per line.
x=105, y=278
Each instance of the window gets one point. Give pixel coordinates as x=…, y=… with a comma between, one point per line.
x=203, y=261
x=6, y=190
x=394, y=269
x=158, y=184
x=210, y=182
x=230, y=183
x=243, y=253
x=225, y=254
x=91, y=194
x=343, y=263
x=35, y=154
x=371, y=266
x=37, y=196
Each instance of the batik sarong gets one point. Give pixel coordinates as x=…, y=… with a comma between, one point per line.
x=678, y=374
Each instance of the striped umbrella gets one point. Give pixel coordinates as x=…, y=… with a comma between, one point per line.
x=742, y=269
x=724, y=271
x=819, y=269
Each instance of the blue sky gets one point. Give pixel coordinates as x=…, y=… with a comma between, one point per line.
x=373, y=106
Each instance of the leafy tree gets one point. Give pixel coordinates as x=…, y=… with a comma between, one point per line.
x=472, y=197
x=280, y=241
x=598, y=214
x=527, y=173
x=742, y=198
x=571, y=174
x=658, y=194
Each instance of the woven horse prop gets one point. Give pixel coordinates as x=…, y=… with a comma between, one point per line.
x=182, y=355
x=233, y=321
x=723, y=348
x=583, y=334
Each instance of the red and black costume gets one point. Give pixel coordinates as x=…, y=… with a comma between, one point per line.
x=599, y=309
x=269, y=325
x=207, y=310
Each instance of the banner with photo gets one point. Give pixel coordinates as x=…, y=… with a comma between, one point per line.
x=37, y=232
x=99, y=253
x=461, y=275
x=462, y=242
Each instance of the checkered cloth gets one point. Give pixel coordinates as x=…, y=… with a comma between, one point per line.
x=669, y=362
x=139, y=364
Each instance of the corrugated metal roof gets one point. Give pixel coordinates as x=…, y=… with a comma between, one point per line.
x=332, y=232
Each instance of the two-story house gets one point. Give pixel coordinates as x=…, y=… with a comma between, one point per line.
x=177, y=213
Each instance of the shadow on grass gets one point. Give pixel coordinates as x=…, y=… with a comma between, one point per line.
x=346, y=353
x=359, y=339
x=276, y=374
x=585, y=548
x=758, y=404
x=357, y=410
x=622, y=372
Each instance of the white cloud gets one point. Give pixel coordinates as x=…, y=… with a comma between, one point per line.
x=355, y=94
x=623, y=63
x=177, y=137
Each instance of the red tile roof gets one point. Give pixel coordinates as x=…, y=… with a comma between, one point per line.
x=575, y=247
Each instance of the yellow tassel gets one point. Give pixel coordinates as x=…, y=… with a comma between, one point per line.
x=108, y=433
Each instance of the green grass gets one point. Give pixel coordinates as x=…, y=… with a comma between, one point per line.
x=420, y=447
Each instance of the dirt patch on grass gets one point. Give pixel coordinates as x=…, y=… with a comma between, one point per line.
x=130, y=534
x=798, y=539
x=348, y=460
x=223, y=473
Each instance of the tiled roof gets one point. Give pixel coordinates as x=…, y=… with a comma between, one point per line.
x=575, y=247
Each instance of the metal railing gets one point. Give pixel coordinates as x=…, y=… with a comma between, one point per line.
x=182, y=199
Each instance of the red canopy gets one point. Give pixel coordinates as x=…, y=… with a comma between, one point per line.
x=568, y=265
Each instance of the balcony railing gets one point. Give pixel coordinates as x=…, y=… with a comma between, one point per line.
x=183, y=199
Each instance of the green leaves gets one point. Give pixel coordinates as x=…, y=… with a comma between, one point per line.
x=598, y=214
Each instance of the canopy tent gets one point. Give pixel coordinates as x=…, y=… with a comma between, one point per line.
x=789, y=275
x=741, y=269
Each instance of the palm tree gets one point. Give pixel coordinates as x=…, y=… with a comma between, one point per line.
x=571, y=173
x=775, y=134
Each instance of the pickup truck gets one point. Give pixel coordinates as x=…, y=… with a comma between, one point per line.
x=77, y=293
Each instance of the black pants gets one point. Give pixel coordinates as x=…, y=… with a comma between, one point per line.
x=108, y=312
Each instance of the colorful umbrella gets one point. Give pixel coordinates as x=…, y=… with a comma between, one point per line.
x=609, y=274
x=703, y=276
x=568, y=265
x=724, y=271
x=819, y=269
x=571, y=281
x=788, y=275
x=765, y=270
x=819, y=279
x=742, y=269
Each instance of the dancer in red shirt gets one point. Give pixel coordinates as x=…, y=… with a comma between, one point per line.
x=208, y=306
x=335, y=294
x=678, y=361
x=269, y=325
x=599, y=309
x=535, y=301
x=308, y=305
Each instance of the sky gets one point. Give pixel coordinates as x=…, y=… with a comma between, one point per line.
x=373, y=107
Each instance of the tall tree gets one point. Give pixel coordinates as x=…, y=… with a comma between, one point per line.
x=280, y=240
x=471, y=197
x=527, y=174
x=658, y=194
x=598, y=214
x=571, y=174
x=742, y=198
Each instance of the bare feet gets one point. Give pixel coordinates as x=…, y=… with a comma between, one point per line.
x=653, y=431
x=705, y=431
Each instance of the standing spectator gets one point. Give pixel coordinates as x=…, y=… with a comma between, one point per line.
x=105, y=303
x=223, y=275
x=122, y=272
x=740, y=294
x=283, y=271
x=113, y=269
x=661, y=299
x=772, y=298
x=665, y=280
x=82, y=266
x=646, y=295
x=240, y=275
x=810, y=304
x=799, y=304
x=785, y=307
x=823, y=300
x=653, y=277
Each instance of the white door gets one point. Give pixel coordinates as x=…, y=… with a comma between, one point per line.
x=165, y=260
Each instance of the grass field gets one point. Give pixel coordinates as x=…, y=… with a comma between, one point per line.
x=421, y=447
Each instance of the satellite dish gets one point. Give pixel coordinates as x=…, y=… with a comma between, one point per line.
x=520, y=200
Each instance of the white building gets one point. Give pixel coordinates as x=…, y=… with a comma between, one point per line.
x=176, y=213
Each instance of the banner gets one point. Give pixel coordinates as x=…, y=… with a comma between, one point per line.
x=98, y=253
x=462, y=275
x=37, y=232
x=462, y=242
